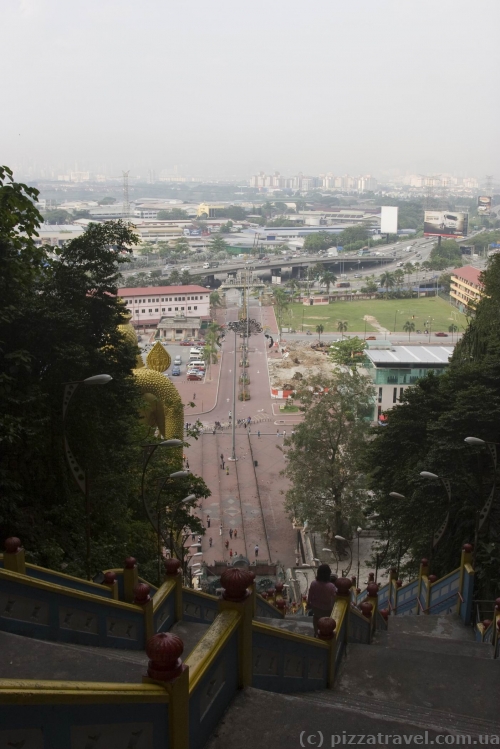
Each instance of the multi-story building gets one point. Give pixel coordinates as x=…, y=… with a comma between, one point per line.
x=466, y=289
x=394, y=369
x=149, y=304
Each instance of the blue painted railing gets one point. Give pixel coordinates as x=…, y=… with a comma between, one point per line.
x=406, y=598
x=164, y=608
x=423, y=594
x=383, y=596
x=198, y=606
x=359, y=627
x=138, y=716
x=467, y=595
x=49, y=612
x=444, y=594
x=286, y=662
x=68, y=581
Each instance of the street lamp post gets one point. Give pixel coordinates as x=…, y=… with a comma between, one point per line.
x=481, y=512
x=358, y=532
x=243, y=327
x=80, y=475
x=445, y=482
x=348, y=569
x=177, y=505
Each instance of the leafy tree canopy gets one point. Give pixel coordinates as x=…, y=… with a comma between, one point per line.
x=348, y=352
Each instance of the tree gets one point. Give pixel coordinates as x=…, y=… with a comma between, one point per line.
x=317, y=241
x=328, y=279
x=409, y=327
x=370, y=287
x=58, y=216
x=324, y=463
x=342, y=326
x=387, y=280
x=280, y=301
x=294, y=285
x=186, y=278
x=215, y=300
x=452, y=329
x=408, y=269
x=175, y=278
x=218, y=244
x=181, y=246
x=106, y=201
x=174, y=214
x=226, y=228
x=352, y=235
x=446, y=253
x=319, y=329
x=445, y=281
x=81, y=214
x=348, y=352
x=399, y=277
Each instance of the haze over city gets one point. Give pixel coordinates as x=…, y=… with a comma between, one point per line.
x=223, y=90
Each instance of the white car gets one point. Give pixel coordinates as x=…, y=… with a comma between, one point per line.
x=177, y=361
x=185, y=267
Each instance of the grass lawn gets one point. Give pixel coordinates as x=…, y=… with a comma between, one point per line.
x=384, y=312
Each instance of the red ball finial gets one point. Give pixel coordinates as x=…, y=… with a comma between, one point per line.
x=164, y=651
x=12, y=545
x=279, y=588
x=384, y=613
x=172, y=566
x=371, y=577
x=399, y=583
x=468, y=548
x=366, y=609
x=497, y=605
x=109, y=578
x=281, y=604
x=486, y=623
x=130, y=563
x=424, y=562
x=326, y=628
x=141, y=593
x=235, y=582
x=343, y=585
x=372, y=589
x=432, y=578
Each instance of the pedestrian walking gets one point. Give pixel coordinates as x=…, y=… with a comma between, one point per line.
x=249, y=419
x=258, y=434
x=235, y=532
x=193, y=536
x=277, y=433
x=230, y=552
x=208, y=521
x=222, y=457
x=227, y=470
x=230, y=533
x=194, y=396
x=213, y=432
x=226, y=544
x=199, y=539
x=256, y=550
x=245, y=424
x=230, y=415
x=187, y=464
x=210, y=541
x=284, y=433
x=220, y=530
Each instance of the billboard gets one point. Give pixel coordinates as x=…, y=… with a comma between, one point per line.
x=389, y=219
x=484, y=205
x=446, y=224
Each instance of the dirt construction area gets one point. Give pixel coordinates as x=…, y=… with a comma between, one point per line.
x=298, y=361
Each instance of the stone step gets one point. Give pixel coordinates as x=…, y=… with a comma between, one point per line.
x=312, y=718
x=445, y=625
x=302, y=625
x=436, y=680
x=425, y=643
x=190, y=634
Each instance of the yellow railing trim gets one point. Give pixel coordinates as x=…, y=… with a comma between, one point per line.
x=211, y=644
x=268, y=629
x=358, y=614
x=200, y=593
x=469, y=568
x=453, y=572
x=68, y=577
x=163, y=593
x=26, y=691
x=32, y=582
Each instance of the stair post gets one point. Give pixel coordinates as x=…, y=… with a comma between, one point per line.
x=326, y=632
x=111, y=582
x=167, y=669
x=142, y=598
x=173, y=572
x=466, y=584
x=423, y=577
x=130, y=578
x=393, y=576
x=237, y=597
x=13, y=558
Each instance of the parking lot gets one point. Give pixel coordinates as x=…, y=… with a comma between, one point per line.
x=174, y=350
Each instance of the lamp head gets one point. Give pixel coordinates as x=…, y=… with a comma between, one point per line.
x=428, y=475
x=101, y=379
x=397, y=495
x=179, y=474
x=171, y=443
x=474, y=441
x=340, y=538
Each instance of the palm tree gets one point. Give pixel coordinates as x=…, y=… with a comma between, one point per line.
x=387, y=280
x=399, y=277
x=294, y=285
x=409, y=327
x=452, y=329
x=328, y=278
x=280, y=305
x=319, y=329
x=342, y=327
x=408, y=269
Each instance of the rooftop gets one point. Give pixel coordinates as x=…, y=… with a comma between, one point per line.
x=139, y=291
x=468, y=273
x=411, y=355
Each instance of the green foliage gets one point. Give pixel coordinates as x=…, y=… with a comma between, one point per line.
x=409, y=327
x=318, y=241
x=106, y=201
x=446, y=254
x=280, y=222
x=325, y=453
x=57, y=216
x=233, y=212
x=349, y=351
x=218, y=244
x=281, y=302
x=172, y=215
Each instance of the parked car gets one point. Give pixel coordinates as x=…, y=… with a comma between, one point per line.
x=194, y=376
x=442, y=335
x=186, y=343
x=177, y=361
x=176, y=371
x=371, y=338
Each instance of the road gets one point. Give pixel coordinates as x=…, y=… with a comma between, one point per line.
x=246, y=494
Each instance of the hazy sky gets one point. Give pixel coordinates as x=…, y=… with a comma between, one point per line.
x=227, y=88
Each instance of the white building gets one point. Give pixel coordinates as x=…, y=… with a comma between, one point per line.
x=148, y=304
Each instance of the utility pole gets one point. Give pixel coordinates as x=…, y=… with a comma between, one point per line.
x=126, y=202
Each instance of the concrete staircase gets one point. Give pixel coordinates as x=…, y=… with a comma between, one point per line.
x=28, y=658
x=426, y=673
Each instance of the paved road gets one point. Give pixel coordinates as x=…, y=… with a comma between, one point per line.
x=248, y=497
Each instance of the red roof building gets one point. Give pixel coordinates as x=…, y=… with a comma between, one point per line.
x=466, y=288
x=148, y=304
